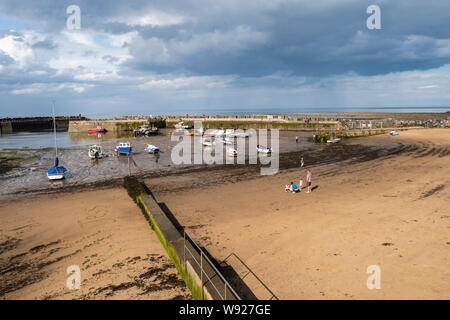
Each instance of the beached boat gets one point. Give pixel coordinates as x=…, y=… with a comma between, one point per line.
x=182, y=125
x=151, y=149
x=334, y=140
x=207, y=142
x=145, y=131
x=95, y=152
x=231, y=152
x=98, y=130
x=263, y=149
x=56, y=172
x=123, y=148
x=394, y=133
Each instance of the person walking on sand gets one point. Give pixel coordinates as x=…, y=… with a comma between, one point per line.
x=302, y=163
x=308, y=180
x=296, y=139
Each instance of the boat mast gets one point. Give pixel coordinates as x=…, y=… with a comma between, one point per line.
x=54, y=128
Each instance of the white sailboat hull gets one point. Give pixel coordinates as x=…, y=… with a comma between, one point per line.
x=56, y=176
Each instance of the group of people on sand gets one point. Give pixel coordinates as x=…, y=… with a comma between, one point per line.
x=294, y=188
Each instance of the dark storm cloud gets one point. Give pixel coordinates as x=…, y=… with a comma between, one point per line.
x=258, y=38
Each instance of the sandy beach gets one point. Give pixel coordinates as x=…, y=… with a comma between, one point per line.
x=101, y=231
x=392, y=211
x=378, y=200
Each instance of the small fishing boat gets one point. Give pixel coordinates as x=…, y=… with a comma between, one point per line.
x=98, y=130
x=145, y=131
x=151, y=149
x=261, y=148
x=394, y=133
x=207, y=142
x=123, y=148
x=231, y=152
x=181, y=125
x=334, y=140
x=95, y=152
x=151, y=131
x=56, y=172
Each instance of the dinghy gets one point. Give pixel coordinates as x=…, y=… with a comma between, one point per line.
x=263, y=149
x=394, y=133
x=151, y=149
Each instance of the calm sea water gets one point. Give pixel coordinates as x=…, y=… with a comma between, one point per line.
x=45, y=139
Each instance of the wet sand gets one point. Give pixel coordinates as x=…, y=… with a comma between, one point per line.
x=390, y=209
x=101, y=231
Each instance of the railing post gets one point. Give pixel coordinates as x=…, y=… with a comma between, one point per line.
x=201, y=270
x=184, y=248
x=225, y=293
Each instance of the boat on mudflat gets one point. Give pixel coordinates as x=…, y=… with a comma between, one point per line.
x=56, y=172
x=262, y=149
x=151, y=149
x=123, y=148
x=232, y=152
x=95, y=152
x=334, y=140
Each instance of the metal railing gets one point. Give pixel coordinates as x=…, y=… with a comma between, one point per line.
x=249, y=271
x=210, y=277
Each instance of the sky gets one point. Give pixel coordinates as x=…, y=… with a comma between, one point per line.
x=140, y=57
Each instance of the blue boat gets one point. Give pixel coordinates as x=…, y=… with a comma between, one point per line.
x=56, y=172
x=151, y=149
x=123, y=148
x=393, y=133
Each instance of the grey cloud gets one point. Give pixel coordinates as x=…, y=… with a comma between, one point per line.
x=297, y=38
x=5, y=59
x=46, y=44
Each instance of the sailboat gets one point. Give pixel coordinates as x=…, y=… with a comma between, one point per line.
x=56, y=172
